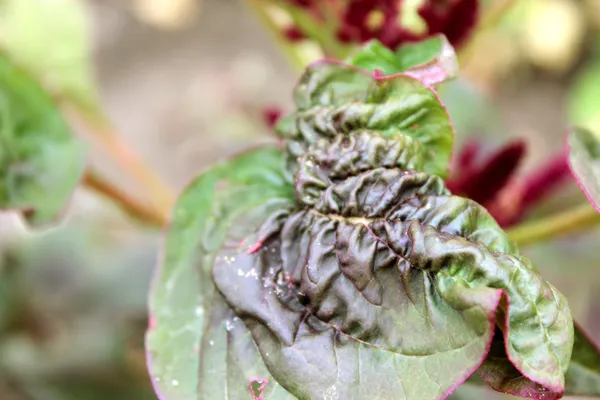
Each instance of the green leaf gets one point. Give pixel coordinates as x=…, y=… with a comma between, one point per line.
x=584, y=159
x=335, y=99
x=583, y=101
x=183, y=303
x=40, y=162
x=582, y=378
x=432, y=61
x=381, y=285
x=55, y=50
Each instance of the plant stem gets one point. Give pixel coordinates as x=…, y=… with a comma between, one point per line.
x=160, y=195
x=259, y=9
x=130, y=205
x=576, y=219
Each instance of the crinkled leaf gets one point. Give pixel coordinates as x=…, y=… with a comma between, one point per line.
x=384, y=286
x=432, y=61
x=335, y=99
x=584, y=159
x=50, y=40
x=183, y=303
x=40, y=162
x=582, y=378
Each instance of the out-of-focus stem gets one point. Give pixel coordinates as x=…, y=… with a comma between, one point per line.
x=489, y=20
x=130, y=205
x=159, y=194
x=259, y=9
x=565, y=223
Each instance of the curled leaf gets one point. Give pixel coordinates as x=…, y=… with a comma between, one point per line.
x=336, y=99
x=582, y=378
x=383, y=284
x=375, y=283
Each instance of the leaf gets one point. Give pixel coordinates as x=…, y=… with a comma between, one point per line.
x=432, y=61
x=40, y=162
x=582, y=100
x=183, y=302
x=381, y=285
x=335, y=99
x=56, y=51
x=582, y=378
x=584, y=160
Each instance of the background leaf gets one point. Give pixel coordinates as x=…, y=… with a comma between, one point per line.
x=583, y=100
x=584, y=159
x=50, y=40
x=40, y=162
x=583, y=376
x=182, y=294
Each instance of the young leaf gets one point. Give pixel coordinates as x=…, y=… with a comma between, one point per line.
x=40, y=162
x=584, y=159
x=335, y=99
x=432, y=61
x=55, y=50
x=183, y=302
x=382, y=285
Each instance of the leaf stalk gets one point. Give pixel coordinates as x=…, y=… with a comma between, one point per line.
x=564, y=223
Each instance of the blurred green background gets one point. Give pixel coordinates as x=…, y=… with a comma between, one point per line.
x=185, y=81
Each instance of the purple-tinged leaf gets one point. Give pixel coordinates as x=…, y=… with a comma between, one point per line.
x=184, y=308
x=582, y=378
x=383, y=286
x=376, y=283
x=584, y=160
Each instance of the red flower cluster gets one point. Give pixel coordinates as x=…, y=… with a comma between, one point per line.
x=456, y=19
x=492, y=183
x=363, y=20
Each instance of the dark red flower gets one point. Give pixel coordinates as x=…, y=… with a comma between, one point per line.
x=293, y=34
x=359, y=23
x=303, y=3
x=492, y=181
x=522, y=195
x=454, y=18
x=482, y=181
x=271, y=115
x=362, y=20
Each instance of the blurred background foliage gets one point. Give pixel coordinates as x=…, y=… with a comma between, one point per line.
x=186, y=83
